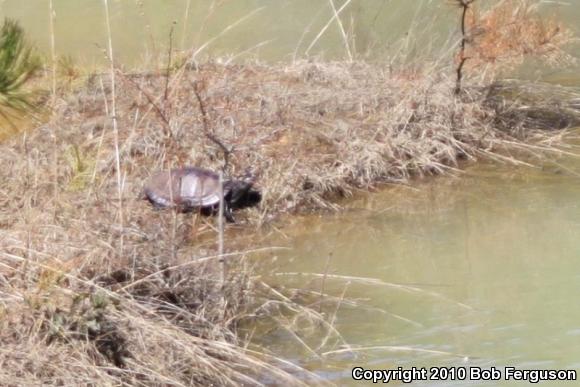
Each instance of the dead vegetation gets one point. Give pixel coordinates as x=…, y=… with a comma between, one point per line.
x=506, y=33
x=510, y=31
x=65, y=323
x=138, y=304
x=97, y=288
x=309, y=131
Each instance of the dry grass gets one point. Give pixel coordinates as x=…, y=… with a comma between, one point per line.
x=77, y=305
x=170, y=329
x=310, y=131
x=97, y=288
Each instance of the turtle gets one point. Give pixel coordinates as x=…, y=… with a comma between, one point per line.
x=192, y=188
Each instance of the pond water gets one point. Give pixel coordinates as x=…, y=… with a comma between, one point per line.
x=273, y=30
x=483, y=268
x=493, y=260
x=264, y=29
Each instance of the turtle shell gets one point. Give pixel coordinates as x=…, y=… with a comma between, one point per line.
x=186, y=188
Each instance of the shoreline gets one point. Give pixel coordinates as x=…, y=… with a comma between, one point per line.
x=309, y=132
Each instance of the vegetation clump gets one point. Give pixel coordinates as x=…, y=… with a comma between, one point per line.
x=502, y=36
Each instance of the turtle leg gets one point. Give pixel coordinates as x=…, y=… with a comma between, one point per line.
x=228, y=214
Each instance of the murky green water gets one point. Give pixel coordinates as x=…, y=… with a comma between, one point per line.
x=264, y=29
x=275, y=30
x=492, y=258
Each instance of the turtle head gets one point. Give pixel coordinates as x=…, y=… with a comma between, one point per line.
x=240, y=192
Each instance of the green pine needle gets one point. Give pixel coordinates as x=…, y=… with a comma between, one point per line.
x=17, y=65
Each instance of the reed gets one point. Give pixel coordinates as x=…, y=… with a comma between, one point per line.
x=335, y=17
x=52, y=17
x=115, y=123
x=343, y=33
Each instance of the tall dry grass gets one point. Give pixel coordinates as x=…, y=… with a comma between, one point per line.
x=157, y=312
x=113, y=118
x=79, y=307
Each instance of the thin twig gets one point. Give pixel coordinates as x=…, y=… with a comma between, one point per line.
x=206, y=127
x=464, y=4
x=156, y=107
x=169, y=54
x=221, y=228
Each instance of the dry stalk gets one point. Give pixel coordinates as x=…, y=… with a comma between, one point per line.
x=115, y=125
x=333, y=317
x=52, y=16
x=192, y=58
x=174, y=215
x=381, y=283
x=335, y=16
x=221, y=228
x=395, y=348
x=302, y=311
x=342, y=31
x=153, y=102
x=169, y=56
x=213, y=7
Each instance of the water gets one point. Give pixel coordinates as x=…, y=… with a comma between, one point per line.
x=269, y=30
x=495, y=253
x=263, y=29
x=492, y=256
